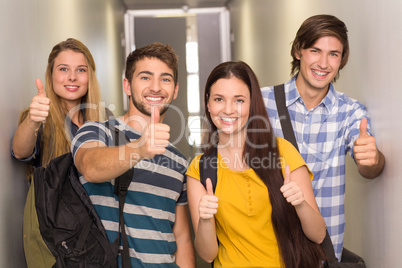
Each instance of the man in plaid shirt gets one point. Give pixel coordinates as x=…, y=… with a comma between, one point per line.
x=327, y=124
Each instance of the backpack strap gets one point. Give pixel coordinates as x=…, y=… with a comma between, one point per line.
x=120, y=189
x=289, y=135
x=283, y=113
x=208, y=168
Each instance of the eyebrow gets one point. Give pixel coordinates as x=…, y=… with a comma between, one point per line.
x=151, y=73
x=62, y=64
x=219, y=95
x=332, y=51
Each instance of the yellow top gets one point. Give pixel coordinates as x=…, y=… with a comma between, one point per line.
x=243, y=221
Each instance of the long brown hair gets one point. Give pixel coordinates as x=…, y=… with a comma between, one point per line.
x=295, y=248
x=55, y=135
x=313, y=29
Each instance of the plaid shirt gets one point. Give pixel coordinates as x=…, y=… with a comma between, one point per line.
x=324, y=135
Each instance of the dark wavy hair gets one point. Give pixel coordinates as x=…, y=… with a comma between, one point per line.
x=313, y=29
x=156, y=50
x=295, y=248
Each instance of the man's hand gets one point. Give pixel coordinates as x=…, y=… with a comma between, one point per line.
x=155, y=137
x=365, y=149
x=369, y=159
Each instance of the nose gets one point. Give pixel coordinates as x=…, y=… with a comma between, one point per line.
x=323, y=62
x=154, y=85
x=228, y=109
x=72, y=76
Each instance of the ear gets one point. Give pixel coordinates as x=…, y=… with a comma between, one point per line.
x=127, y=87
x=297, y=54
x=176, y=91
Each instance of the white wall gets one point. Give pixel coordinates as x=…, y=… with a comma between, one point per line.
x=28, y=31
x=263, y=31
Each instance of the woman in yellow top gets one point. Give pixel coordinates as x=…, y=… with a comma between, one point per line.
x=263, y=211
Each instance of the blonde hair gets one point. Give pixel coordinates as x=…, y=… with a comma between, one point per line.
x=55, y=138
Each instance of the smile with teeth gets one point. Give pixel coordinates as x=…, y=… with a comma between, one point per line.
x=72, y=88
x=154, y=99
x=319, y=73
x=229, y=120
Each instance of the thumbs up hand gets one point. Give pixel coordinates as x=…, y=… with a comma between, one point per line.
x=155, y=137
x=291, y=190
x=365, y=149
x=208, y=203
x=40, y=105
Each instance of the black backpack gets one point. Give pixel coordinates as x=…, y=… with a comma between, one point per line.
x=68, y=222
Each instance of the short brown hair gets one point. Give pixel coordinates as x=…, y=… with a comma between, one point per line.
x=313, y=29
x=156, y=50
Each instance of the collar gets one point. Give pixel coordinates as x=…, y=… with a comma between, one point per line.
x=292, y=95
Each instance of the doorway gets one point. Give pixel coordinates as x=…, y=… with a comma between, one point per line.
x=201, y=39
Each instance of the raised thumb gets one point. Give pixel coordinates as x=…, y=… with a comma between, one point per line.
x=155, y=114
x=210, y=190
x=363, y=128
x=39, y=86
x=287, y=175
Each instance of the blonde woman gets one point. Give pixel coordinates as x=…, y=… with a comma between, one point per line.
x=71, y=97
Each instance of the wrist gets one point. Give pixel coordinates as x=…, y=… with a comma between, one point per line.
x=132, y=155
x=34, y=126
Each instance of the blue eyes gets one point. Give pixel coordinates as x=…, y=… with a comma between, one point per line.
x=81, y=70
x=165, y=80
x=221, y=99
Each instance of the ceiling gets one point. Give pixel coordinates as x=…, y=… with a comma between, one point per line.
x=163, y=4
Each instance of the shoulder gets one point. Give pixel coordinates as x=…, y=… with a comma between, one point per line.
x=267, y=90
x=349, y=110
x=174, y=159
x=92, y=131
x=347, y=103
x=289, y=155
x=175, y=151
x=285, y=147
x=194, y=168
x=91, y=126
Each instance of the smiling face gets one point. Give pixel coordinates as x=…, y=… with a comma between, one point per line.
x=70, y=77
x=229, y=105
x=152, y=85
x=319, y=64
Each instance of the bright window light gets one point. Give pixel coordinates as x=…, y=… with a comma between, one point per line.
x=194, y=125
x=192, y=57
x=193, y=93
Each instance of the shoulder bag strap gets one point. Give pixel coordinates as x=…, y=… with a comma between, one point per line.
x=283, y=113
x=289, y=135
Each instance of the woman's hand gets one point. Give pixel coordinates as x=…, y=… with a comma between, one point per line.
x=208, y=203
x=291, y=190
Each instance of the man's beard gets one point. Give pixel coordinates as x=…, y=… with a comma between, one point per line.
x=141, y=107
